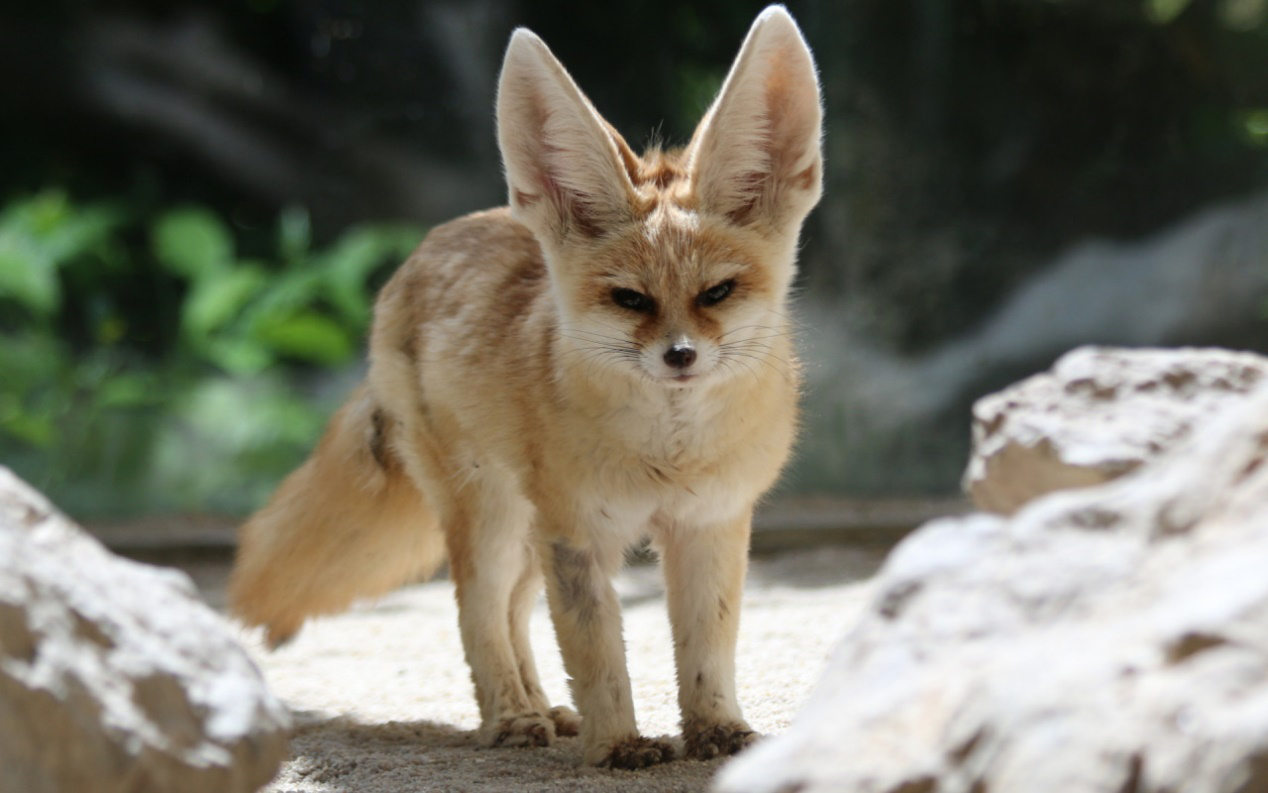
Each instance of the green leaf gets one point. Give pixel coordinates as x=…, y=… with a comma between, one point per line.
x=28, y=277
x=30, y=428
x=237, y=355
x=215, y=301
x=126, y=390
x=286, y=293
x=308, y=336
x=193, y=243
x=49, y=222
x=40, y=234
x=84, y=231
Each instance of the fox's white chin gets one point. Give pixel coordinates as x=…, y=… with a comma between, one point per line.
x=680, y=379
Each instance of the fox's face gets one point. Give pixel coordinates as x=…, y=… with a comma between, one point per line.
x=672, y=268
x=675, y=304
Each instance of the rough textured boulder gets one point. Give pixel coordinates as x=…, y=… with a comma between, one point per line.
x=113, y=675
x=1103, y=640
x=1098, y=414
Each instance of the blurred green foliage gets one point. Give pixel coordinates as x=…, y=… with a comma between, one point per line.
x=207, y=392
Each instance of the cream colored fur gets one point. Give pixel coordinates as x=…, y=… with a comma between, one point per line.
x=529, y=417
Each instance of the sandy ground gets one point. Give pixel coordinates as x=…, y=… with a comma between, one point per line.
x=382, y=700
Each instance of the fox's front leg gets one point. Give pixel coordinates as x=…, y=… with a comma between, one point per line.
x=704, y=578
x=587, y=619
x=496, y=581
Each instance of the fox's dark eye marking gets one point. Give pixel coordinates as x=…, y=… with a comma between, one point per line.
x=716, y=294
x=634, y=301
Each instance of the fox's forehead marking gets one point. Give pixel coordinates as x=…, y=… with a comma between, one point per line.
x=669, y=222
x=671, y=241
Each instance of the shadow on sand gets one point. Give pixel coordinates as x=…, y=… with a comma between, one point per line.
x=341, y=754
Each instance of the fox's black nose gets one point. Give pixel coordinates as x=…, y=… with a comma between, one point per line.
x=681, y=355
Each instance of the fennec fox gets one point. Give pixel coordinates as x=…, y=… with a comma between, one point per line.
x=607, y=359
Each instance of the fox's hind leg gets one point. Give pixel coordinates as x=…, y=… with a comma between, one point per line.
x=495, y=572
x=523, y=599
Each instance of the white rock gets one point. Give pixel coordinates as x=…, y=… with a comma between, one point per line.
x=114, y=676
x=1098, y=414
x=1101, y=640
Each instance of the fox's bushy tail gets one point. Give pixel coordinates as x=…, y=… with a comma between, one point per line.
x=349, y=523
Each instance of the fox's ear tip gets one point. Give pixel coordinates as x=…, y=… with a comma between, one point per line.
x=524, y=41
x=775, y=21
x=774, y=13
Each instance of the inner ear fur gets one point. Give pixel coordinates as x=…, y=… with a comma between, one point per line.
x=566, y=168
x=756, y=157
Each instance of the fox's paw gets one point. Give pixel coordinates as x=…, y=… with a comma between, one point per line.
x=567, y=721
x=524, y=729
x=707, y=741
x=637, y=752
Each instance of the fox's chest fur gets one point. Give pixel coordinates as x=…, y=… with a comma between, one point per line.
x=690, y=458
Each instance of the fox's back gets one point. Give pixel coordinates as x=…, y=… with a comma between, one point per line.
x=472, y=277
x=473, y=301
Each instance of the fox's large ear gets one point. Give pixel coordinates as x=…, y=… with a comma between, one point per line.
x=564, y=169
x=756, y=156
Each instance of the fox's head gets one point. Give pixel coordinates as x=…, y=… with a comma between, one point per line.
x=675, y=267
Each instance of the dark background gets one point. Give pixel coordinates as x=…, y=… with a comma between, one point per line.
x=199, y=199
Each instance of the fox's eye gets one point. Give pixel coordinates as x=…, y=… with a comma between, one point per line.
x=716, y=294
x=634, y=301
